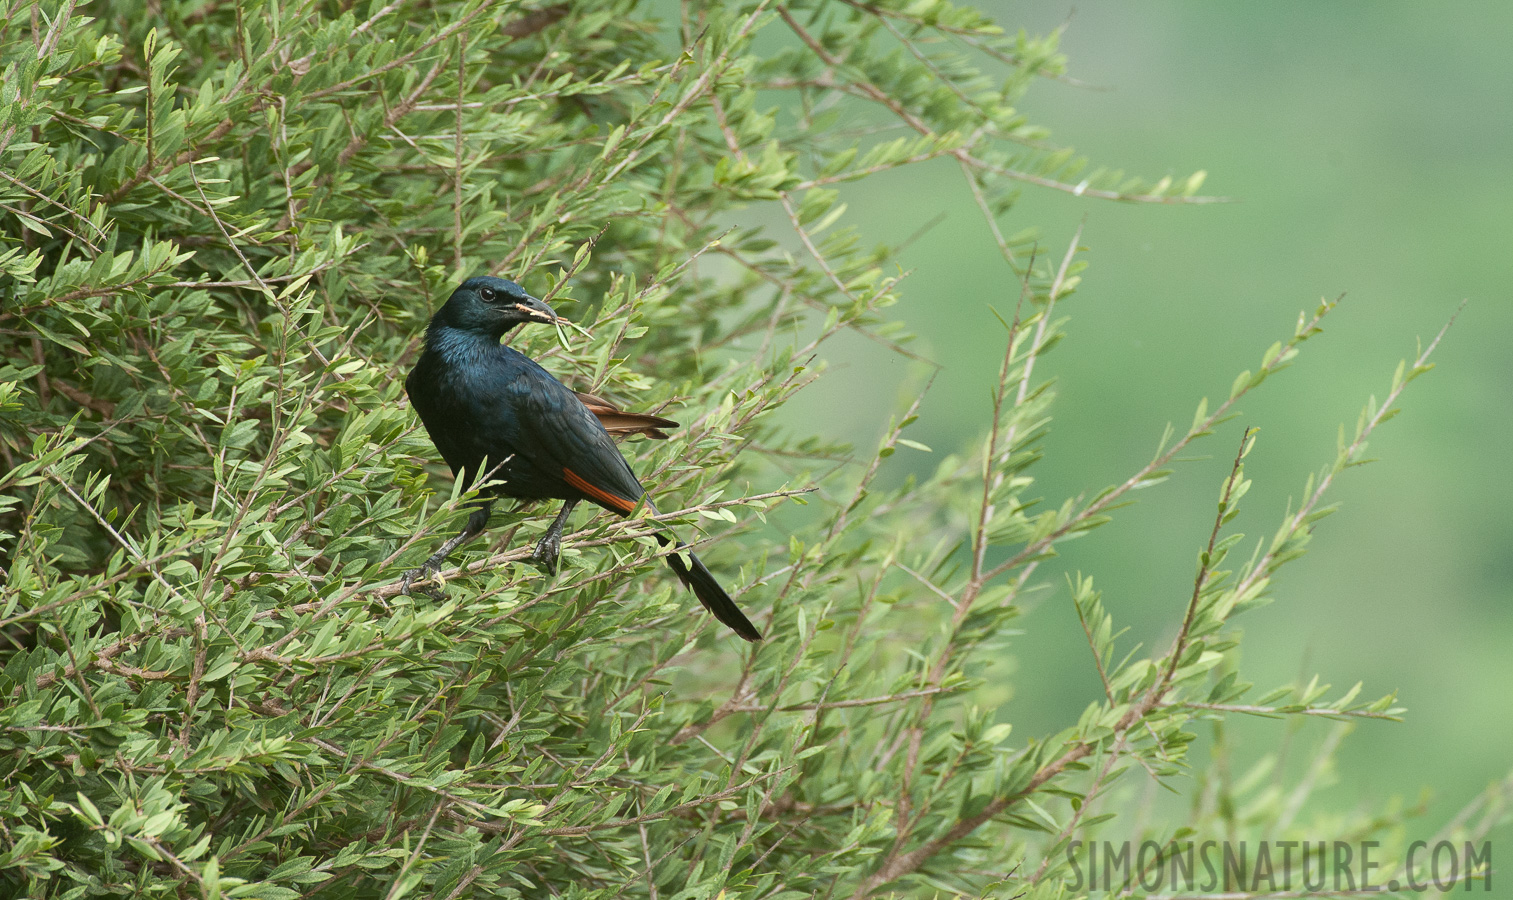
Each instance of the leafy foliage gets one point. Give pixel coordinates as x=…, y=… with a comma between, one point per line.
x=222, y=228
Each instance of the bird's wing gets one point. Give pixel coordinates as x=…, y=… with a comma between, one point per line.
x=622, y=424
x=560, y=435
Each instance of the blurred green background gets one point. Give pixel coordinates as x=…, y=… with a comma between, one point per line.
x=1369, y=148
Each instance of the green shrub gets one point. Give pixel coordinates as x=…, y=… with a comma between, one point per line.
x=222, y=229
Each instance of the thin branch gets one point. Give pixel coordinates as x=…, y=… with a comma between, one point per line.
x=1277, y=712
x=1179, y=645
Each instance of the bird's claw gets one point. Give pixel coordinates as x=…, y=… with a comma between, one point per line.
x=546, y=555
x=425, y=573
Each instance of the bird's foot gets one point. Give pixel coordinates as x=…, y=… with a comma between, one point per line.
x=546, y=554
x=426, y=573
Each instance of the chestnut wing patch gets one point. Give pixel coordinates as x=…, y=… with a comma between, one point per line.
x=597, y=494
x=622, y=424
x=565, y=441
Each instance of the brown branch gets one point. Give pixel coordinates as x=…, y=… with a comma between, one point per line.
x=1179, y=646
x=403, y=59
x=149, y=170
x=897, y=865
x=1108, y=498
x=1299, y=519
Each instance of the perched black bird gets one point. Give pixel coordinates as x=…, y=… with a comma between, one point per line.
x=496, y=415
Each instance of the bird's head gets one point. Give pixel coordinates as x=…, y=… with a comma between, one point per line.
x=488, y=305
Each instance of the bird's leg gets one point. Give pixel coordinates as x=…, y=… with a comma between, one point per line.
x=478, y=521
x=550, y=547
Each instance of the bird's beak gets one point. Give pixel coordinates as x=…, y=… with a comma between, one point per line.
x=538, y=310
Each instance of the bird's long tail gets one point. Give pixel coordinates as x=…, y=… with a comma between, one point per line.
x=701, y=581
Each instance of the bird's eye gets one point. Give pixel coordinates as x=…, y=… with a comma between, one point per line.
x=487, y=294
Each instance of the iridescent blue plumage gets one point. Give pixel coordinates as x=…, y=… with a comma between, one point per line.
x=499, y=418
